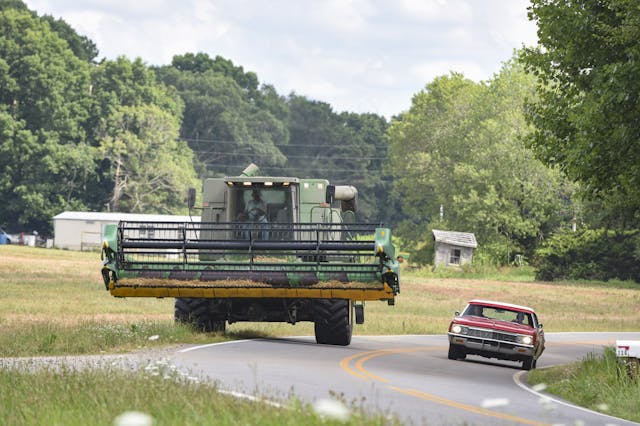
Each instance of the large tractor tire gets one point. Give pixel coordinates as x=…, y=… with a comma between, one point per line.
x=333, y=321
x=202, y=314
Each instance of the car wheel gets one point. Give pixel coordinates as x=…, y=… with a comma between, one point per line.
x=529, y=363
x=455, y=352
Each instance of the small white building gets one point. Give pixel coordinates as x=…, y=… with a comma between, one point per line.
x=84, y=230
x=452, y=248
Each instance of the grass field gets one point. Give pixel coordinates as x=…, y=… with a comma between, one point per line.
x=53, y=302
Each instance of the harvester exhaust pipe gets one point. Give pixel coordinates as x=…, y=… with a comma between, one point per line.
x=250, y=170
x=347, y=195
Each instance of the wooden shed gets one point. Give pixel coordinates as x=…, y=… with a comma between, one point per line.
x=453, y=248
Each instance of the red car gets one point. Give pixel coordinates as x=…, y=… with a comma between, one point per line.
x=497, y=330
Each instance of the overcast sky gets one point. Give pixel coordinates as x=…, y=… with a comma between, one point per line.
x=357, y=55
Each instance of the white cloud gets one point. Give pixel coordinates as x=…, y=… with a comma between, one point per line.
x=357, y=55
x=348, y=16
x=427, y=71
x=438, y=10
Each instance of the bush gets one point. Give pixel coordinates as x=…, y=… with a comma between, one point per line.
x=592, y=254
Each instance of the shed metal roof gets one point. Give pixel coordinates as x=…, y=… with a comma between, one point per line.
x=462, y=239
x=133, y=217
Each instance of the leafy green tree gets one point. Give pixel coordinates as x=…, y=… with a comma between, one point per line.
x=83, y=47
x=271, y=101
x=346, y=148
x=428, y=141
x=47, y=85
x=137, y=121
x=201, y=63
x=152, y=170
x=13, y=4
x=461, y=164
x=226, y=130
x=587, y=115
x=44, y=98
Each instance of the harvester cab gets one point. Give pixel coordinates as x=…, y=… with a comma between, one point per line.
x=266, y=249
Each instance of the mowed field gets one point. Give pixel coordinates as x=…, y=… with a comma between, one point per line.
x=45, y=287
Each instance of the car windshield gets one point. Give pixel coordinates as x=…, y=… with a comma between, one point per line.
x=501, y=314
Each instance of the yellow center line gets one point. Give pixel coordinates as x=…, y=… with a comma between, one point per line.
x=466, y=407
x=344, y=364
x=365, y=356
x=362, y=373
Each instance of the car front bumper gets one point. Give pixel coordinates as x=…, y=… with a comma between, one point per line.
x=492, y=348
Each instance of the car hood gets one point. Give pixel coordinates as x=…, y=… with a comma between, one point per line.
x=494, y=324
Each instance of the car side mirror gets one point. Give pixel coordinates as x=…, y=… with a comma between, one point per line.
x=539, y=325
x=457, y=313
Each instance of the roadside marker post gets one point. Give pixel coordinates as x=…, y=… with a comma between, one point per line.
x=628, y=352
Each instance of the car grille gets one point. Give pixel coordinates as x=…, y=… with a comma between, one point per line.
x=495, y=335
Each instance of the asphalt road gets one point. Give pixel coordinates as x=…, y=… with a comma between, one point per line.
x=409, y=376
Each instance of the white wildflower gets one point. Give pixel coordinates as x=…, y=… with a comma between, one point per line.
x=547, y=403
x=539, y=387
x=603, y=407
x=495, y=402
x=133, y=418
x=331, y=409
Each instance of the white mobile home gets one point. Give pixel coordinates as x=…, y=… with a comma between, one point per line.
x=84, y=230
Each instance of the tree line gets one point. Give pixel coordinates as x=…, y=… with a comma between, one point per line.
x=534, y=152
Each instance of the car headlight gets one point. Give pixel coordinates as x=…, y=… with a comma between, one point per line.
x=526, y=340
x=459, y=329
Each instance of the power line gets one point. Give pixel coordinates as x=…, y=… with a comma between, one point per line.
x=325, y=169
x=232, y=142
x=248, y=154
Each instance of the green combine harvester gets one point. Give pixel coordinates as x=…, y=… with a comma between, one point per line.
x=267, y=249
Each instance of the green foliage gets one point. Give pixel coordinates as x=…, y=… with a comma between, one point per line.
x=44, y=160
x=598, y=382
x=136, y=133
x=346, y=148
x=201, y=63
x=468, y=169
x=71, y=131
x=593, y=254
x=81, y=46
x=47, y=85
x=152, y=170
x=586, y=116
x=222, y=123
